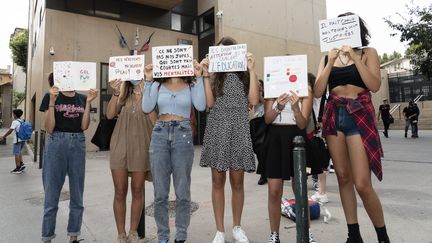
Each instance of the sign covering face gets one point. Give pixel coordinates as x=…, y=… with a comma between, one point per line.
x=70, y=76
x=126, y=68
x=172, y=61
x=337, y=32
x=231, y=58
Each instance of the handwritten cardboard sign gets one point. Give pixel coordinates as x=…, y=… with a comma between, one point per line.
x=172, y=61
x=228, y=58
x=69, y=76
x=337, y=32
x=126, y=68
x=285, y=73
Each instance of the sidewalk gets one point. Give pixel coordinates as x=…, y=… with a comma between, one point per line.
x=406, y=195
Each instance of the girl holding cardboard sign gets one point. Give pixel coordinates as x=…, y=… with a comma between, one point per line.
x=67, y=116
x=171, y=148
x=227, y=142
x=129, y=153
x=349, y=125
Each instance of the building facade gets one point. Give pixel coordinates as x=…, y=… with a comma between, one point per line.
x=86, y=30
x=5, y=97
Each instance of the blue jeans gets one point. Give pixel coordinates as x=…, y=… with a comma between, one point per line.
x=171, y=152
x=64, y=155
x=345, y=122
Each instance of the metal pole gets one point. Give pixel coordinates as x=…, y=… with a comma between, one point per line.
x=35, y=144
x=141, y=225
x=300, y=177
x=41, y=148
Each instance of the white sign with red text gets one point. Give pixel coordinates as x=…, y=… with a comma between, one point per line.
x=172, y=61
x=126, y=68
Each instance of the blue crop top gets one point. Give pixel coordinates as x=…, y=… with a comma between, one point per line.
x=174, y=103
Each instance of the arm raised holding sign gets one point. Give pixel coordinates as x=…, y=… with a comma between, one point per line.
x=91, y=95
x=253, y=95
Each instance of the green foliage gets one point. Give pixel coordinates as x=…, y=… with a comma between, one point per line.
x=417, y=31
x=18, y=45
x=17, y=98
x=386, y=58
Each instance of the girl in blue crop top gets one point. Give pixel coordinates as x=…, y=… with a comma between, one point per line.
x=171, y=146
x=350, y=129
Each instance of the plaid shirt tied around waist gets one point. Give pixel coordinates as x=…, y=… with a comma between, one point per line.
x=363, y=113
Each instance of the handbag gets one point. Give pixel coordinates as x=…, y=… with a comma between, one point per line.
x=391, y=119
x=318, y=156
x=258, y=129
x=102, y=136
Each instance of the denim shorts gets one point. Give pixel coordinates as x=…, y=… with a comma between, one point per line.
x=345, y=122
x=17, y=148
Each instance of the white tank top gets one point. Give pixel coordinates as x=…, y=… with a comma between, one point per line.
x=286, y=117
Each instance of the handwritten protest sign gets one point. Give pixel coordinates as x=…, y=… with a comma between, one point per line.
x=285, y=73
x=172, y=61
x=126, y=68
x=227, y=58
x=69, y=76
x=337, y=32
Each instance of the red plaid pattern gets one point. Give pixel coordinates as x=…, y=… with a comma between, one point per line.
x=364, y=114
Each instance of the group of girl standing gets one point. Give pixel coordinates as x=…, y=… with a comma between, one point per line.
x=159, y=140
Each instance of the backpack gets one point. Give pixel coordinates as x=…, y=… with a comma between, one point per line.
x=25, y=131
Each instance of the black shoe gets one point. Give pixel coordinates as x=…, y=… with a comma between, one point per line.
x=77, y=241
x=179, y=241
x=262, y=180
x=354, y=240
x=274, y=238
x=384, y=241
x=17, y=170
x=22, y=166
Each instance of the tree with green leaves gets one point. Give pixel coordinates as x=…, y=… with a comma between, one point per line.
x=417, y=31
x=18, y=45
x=387, y=58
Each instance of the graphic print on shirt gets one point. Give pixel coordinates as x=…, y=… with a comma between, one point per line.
x=69, y=110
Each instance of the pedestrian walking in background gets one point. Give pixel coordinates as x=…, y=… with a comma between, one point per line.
x=406, y=114
x=413, y=115
x=171, y=148
x=130, y=142
x=350, y=129
x=67, y=116
x=18, y=143
x=227, y=142
x=384, y=113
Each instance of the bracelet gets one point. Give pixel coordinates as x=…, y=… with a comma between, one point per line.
x=206, y=76
x=279, y=106
x=277, y=110
x=51, y=106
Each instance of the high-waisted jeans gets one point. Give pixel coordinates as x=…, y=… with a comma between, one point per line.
x=64, y=154
x=171, y=152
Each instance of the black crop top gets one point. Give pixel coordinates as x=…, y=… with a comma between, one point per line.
x=345, y=75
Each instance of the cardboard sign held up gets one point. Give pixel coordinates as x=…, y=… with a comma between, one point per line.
x=337, y=32
x=283, y=74
x=172, y=61
x=126, y=68
x=228, y=58
x=70, y=76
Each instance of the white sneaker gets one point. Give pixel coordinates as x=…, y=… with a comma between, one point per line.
x=219, y=237
x=239, y=235
x=311, y=238
x=320, y=198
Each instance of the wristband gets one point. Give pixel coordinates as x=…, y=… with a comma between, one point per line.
x=277, y=110
x=51, y=106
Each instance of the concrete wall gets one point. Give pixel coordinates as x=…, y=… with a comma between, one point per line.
x=280, y=28
x=76, y=37
x=19, y=78
x=382, y=93
x=6, y=104
x=204, y=5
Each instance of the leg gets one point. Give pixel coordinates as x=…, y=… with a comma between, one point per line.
x=76, y=174
x=237, y=188
x=275, y=189
x=386, y=128
x=407, y=124
x=120, y=180
x=362, y=179
x=322, y=181
x=339, y=154
x=137, y=188
x=53, y=176
x=218, y=198
x=160, y=158
x=182, y=160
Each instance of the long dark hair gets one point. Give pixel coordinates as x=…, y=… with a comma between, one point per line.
x=364, y=32
x=219, y=78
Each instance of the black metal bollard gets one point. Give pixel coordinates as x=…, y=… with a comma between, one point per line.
x=41, y=148
x=300, y=177
x=35, y=146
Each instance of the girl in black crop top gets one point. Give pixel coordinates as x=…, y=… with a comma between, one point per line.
x=350, y=74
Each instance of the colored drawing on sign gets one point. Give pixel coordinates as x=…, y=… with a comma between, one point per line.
x=228, y=58
x=172, y=61
x=337, y=32
x=283, y=74
x=126, y=68
x=69, y=76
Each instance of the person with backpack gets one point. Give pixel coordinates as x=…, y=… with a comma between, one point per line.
x=23, y=132
x=171, y=146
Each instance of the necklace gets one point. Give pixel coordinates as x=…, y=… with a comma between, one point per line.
x=344, y=63
x=135, y=101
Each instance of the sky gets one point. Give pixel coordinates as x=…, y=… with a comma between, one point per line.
x=14, y=14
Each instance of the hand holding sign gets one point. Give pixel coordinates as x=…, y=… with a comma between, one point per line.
x=92, y=94
x=54, y=91
x=333, y=55
x=115, y=86
x=205, y=66
x=197, y=68
x=349, y=52
x=250, y=61
x=148, y=72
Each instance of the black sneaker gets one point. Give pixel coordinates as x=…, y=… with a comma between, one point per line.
x=179, y=241
x=262, y=180
x=274, y=238
x=17, y=170
x=77, y=241
x=354, y=240
x=22, y=166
